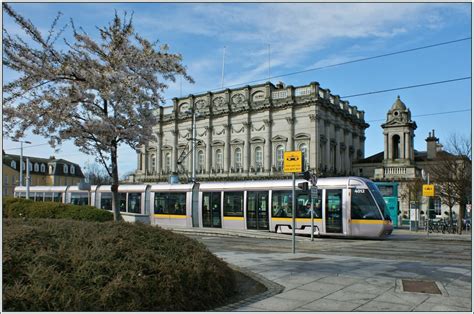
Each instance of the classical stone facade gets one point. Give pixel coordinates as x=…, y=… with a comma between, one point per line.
x=242, y=134
x=399, y=161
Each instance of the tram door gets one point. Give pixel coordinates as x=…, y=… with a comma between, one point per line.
x=333, y=211
x=257, y=210
x=211, y=209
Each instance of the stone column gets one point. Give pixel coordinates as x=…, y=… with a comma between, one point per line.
x=328, y=143
x=313, y=143
x=291, y=122
x=247, y=153
x=267, y=163
x=385, y=143
x=209, y=147
x=337, y=149
x=159, y=144
x=174, y=153
x=227, y=148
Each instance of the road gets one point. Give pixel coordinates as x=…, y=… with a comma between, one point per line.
x=397, y=248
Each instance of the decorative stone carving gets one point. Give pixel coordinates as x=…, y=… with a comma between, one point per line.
x=258, y=129
x=268, y=122
x=290, y=120
x=247, y=125
x=238, y=99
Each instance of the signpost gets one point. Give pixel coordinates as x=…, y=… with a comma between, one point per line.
x=428, y=191
x=314, y=195
x=293, y=163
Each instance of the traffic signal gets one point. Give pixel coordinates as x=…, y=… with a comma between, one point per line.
x=304, y=186
x=306, y=175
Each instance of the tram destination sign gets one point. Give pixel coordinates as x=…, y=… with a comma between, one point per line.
x=292, y=161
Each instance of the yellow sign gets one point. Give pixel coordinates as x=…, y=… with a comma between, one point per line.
x=293, y=161
x=428, y=190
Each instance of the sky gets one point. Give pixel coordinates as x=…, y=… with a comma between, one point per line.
x=296, y=37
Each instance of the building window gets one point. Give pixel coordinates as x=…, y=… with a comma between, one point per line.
x=219, y=159
x=65, y=169
x=73, y=170
x=304, y=152
x=30, y=166
x=13, y=164
x=43, y=168
x=238, y=158
x=168, y=162
x=258, y=157
x=279, y=157
x=36, y=167
x=396, y=147
x=200, y=160
x=5, y=179
x=153, y=162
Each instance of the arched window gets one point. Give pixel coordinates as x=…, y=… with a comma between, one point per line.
x=73, y=170
x=396, y=147
x=36, y=167
x=304, y=152
x=65, y=168
x=43, y=168
x=279, y=157
x=200, y=165
x=168, y=162
x=238, y=158
x=13, y=164
x=219, y=159
x=258, y=157
x=30, y=166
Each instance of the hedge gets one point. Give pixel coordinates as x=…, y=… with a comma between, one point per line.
x=67, y=265
x=23, y=208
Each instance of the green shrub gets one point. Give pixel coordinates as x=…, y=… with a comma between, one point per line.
x=23, y=208
x=66, y=265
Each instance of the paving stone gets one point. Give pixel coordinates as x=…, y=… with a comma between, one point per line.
x=433, y=307
x=321, y=287
x=457, y=291
x=367, y=288
x=401, y=298
x=277, y=304
x=341, y=280
x=351, y=296
x=323, y=305
x=384, y=281
x=375, y=306
x=448, y=301
x=303, y=295
x=457, y=270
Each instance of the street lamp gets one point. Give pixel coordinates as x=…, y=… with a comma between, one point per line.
x=21, y=159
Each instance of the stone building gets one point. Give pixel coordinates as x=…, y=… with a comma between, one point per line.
x=243, y=132
x=43, y=171
x=399, y=161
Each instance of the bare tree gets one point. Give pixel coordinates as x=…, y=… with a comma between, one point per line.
x=412, y=191
x=100, y=94
x=96, y=174
x=452, y=174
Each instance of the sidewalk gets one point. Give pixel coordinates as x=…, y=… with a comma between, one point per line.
x=322, y=282
x=313, y=282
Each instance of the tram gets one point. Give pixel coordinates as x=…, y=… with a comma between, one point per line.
x=347, y=206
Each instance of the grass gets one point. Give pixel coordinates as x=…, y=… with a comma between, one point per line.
x=68, y=265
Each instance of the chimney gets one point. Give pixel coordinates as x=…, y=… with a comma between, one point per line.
x=431, y=145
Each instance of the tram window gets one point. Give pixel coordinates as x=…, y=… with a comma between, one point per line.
x=79, y=199
x=22, y=194
x=386, y=190
x=48, y=197
x=363, y=205
x=170, y=203
x=281, y=202
x=379, y=199
x=106, y=200
x=57, y=197
x=122, y=201
x=134, y=203
x=234, y=204
x=303, y=205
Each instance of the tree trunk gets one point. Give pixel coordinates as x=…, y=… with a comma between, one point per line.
x=115, y=183
x=462, y=208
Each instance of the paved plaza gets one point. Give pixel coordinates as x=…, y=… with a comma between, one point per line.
x=349, y=275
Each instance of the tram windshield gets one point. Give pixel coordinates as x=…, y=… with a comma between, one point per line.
x=379, y=199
